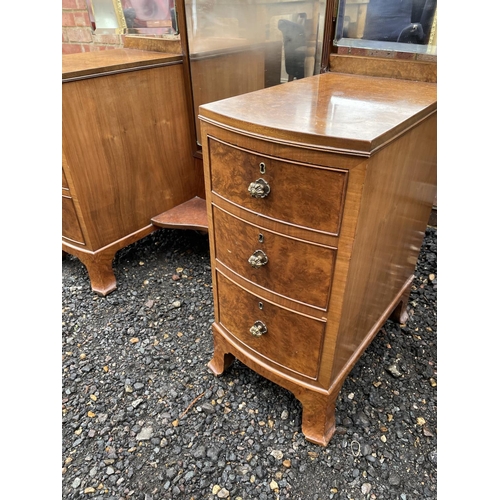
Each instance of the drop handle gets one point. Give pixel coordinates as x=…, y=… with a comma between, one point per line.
x=259, y=189
x=258, y=259
x=258, y=329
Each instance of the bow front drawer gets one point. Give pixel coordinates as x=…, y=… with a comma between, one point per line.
x=309, y=196
x=287, y=266
x=291, y=340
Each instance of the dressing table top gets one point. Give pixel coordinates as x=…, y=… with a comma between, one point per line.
x=349, y=113
x=88, y=64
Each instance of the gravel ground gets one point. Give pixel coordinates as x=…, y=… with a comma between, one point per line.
x=143, y=417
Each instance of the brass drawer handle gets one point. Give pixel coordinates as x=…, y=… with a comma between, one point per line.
x=259, y=189
x=258, y=259
x=258, y=329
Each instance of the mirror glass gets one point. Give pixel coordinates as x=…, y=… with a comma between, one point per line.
x=392, y=25
x=238, y=46
x=139, y=17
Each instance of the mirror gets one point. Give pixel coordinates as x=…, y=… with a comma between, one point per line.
x=388, y=25
x=238, y=46
x=139, y=17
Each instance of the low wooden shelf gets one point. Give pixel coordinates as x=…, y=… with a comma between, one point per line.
x=191, y=214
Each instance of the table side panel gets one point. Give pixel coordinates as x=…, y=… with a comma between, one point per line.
x=397, y=200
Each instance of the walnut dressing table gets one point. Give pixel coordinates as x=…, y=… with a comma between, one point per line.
x=318, y=196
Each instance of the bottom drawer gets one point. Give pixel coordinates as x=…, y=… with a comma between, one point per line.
x=292, y=340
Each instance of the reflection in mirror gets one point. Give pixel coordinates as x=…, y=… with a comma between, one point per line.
x=393, y=25
x=140, y=17
x=238, y=46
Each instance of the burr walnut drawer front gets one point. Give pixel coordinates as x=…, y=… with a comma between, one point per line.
x=287, y=266
x=291, y=340
x=296, y=193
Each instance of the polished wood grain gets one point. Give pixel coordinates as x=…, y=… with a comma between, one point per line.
x=382, y=135
x=191, y=214
x=358, y=117
x=107, y=61
x=420, y=71
x=399, y=191
x=126, y=153
x=170, y=45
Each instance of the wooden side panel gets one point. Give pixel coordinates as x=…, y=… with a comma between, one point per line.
x=199, y=179
x=396, y=202
x=126, y=140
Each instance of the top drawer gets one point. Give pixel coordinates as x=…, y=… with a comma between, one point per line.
x=304, y=195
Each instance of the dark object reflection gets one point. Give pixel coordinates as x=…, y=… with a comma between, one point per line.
x=405, y=21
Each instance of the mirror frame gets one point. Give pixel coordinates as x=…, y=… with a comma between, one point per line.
x=122, y=28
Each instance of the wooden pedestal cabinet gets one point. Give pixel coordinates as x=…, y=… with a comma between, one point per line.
x=318, y=194
x=127, y=155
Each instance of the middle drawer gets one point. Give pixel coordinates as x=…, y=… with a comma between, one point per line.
x=290, y=267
